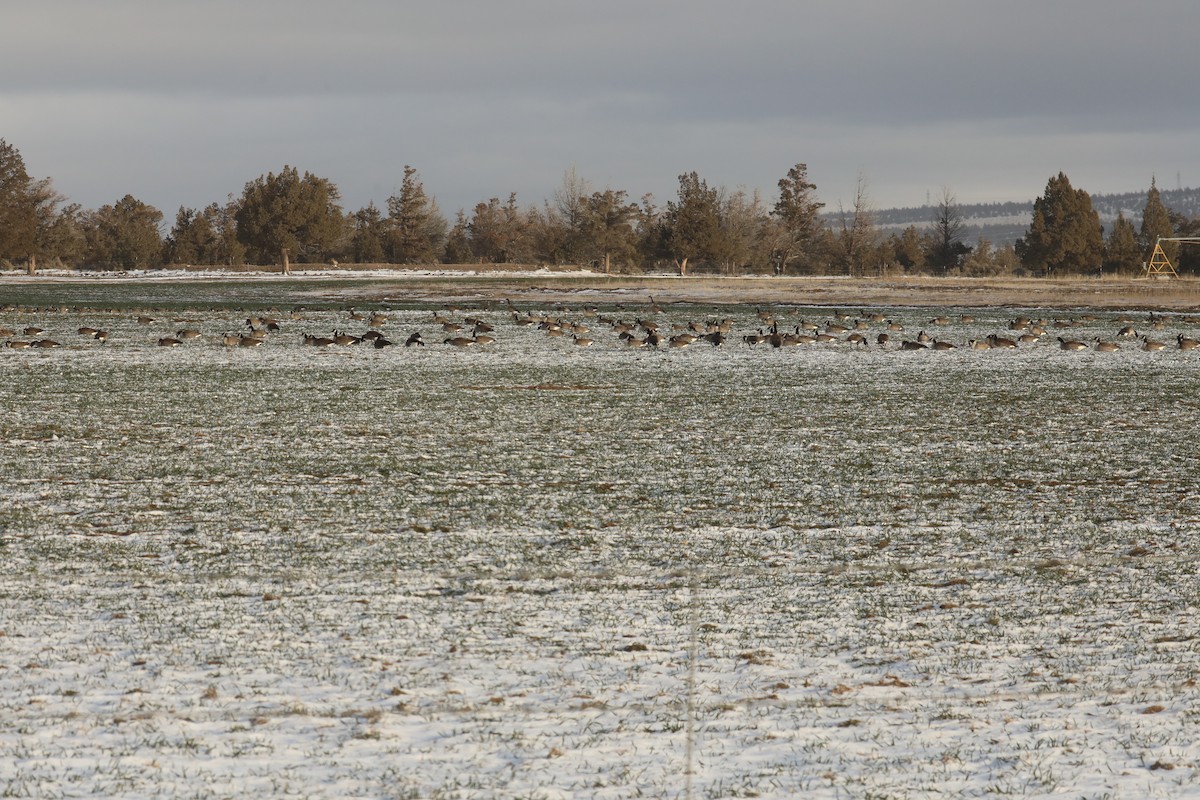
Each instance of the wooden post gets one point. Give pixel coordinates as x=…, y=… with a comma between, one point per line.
x=607, y=264
x=287, y=267
x=31, y=267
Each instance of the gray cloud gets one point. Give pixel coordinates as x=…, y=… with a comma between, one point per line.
x=181, y=103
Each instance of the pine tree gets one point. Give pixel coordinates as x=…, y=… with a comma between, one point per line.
x=1156, y=222
x=693, y=223
x=798, y=213
x=366, y=242
x=416, y=228
x=1122, y=252
x=1065, y=235
x=458, y=241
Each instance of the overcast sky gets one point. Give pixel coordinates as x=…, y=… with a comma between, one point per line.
x=181, y=103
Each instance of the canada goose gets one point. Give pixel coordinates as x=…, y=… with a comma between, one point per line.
x=144, y=320
x=1020, y=324
x=581, y=342
x=966, y=319
x=894, y=326
x=716, y=338
x=371, y=336
x=357, y=316
x=317, y=341
x=100, y=336
x=169, y=341
x=250, y=341
x=344, y=339
x=187, y=333
x=33, y=331
x=649, y=326
x=1000, y=342
x=258, y=333
x=622, y=327
x=654, y=339
x=979, y=344
x=634, y=341
x=910, y=345
x=825, y=338
x=438, y=319
x=1028, y=338
x=835, y=328
x=753, y=339
x=938, y=344
x=924, y=338
x=1106, y=347
x=655, y=307
x=415, y=339
x=381, y=342
x=808, y=326
x=483, y=327
x=856, y=338
x=1150, y=345
x=940, y=321
x=230, y=340
x=555, y=330
x=686, y=339
x=85, y=331
x=882, y=339
x=7, y=332
x=1128, y=330
x=484, y=339
x=17, y=344
x=1187, y=344
x=451, y=327
x=523, y=321
x=460, y=341
x=377, y=320
x=1070, y=344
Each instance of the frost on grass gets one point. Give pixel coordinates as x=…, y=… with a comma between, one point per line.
x=433, y=572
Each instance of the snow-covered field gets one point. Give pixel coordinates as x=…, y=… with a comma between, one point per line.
x=532, y=569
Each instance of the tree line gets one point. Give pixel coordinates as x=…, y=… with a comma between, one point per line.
x=289, y=217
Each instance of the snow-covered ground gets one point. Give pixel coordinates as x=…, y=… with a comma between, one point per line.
x=533, y=569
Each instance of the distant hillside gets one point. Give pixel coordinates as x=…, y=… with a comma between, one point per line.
x=1004, y=223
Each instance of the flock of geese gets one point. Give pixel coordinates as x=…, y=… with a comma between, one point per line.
x=581, y=328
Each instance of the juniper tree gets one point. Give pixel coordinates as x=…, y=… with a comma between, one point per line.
x=288, y=214
x=124, y=234
x=1065, y=234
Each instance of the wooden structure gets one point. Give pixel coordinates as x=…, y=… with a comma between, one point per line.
x=1159, y=265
